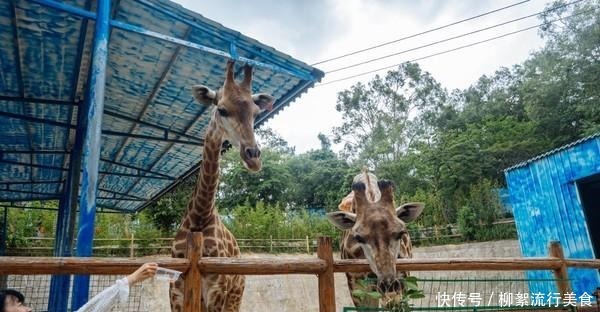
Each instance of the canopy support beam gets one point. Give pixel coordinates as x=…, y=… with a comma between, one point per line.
x=90, y=157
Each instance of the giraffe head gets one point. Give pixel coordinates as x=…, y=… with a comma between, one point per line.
x=236, y=110
x=380, y=230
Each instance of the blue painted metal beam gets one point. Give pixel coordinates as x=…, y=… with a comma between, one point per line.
x=168, y=148
x=29, y=198
x=32, y=152
x=136, y=29
x=30, y=182
x=94, y=106
x=122, y=174
x=65, y=222
x=196, y=142
x=121, y=194
x=303, y=74
x=152, y=96
x=36, y=101
x=167, y=131
x=56, y=210
x=27, y=192
x=138, y=169
x=109, y=113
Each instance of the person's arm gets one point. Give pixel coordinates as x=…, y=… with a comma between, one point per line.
x=118, y=292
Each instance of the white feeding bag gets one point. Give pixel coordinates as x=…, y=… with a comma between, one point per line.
x=155, y=291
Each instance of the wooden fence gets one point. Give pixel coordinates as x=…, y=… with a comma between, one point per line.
x=40, y=246
x=324, y=266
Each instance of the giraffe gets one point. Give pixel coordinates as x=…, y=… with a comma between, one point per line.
x=232, y=120
x=375, y=229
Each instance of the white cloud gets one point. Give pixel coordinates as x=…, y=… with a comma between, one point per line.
x=316, y=30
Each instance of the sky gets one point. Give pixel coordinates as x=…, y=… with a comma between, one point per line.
x=315, y=30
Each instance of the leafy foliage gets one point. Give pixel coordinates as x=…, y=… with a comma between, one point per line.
x=366, y=292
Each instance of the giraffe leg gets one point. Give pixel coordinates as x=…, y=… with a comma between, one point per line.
x=233, y=301
x=214, y=292
x=177, y=296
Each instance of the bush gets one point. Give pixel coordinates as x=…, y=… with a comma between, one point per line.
x=481, y=208
x=268, y=221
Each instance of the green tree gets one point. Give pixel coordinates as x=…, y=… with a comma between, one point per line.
x=321, y=178
x=381, y=121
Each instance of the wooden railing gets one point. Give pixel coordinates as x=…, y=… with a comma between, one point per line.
x=324, y=267
x=35, y=246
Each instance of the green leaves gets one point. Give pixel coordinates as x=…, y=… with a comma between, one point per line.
x=366, y=290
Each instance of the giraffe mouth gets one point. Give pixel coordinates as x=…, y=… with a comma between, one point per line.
x=253, y=164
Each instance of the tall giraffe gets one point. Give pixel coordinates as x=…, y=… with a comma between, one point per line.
x=232, y=120
x=376, y=230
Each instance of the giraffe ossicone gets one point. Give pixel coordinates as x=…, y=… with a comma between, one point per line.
x=235, y=110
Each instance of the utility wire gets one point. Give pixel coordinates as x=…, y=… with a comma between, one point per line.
x=452, y=38
x=455, y=49
x=419, y=34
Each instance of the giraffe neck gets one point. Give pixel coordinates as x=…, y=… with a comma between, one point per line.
x=201, y=209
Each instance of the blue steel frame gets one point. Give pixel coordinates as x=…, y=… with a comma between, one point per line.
x=88, y=134
x=136, y=29
x=90, y=156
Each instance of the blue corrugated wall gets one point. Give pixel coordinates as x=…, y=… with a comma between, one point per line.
x=546, y=205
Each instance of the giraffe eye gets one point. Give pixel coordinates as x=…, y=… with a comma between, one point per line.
x=223, y=112
x=359, y=239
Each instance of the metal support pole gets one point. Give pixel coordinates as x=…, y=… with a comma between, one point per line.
x=4, y=232
x=91, y=149
x=65, y=222
x=3, y=278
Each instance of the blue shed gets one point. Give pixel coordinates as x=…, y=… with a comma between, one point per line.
x=555, y=196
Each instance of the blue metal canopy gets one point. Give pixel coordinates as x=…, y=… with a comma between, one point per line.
x=152, y=129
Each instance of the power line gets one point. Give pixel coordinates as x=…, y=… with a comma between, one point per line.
x=451, y=38
x=419, y=34
x=454, y=49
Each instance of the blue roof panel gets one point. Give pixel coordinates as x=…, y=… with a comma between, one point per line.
x=148, y=95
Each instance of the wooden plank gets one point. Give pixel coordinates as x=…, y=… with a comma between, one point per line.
x=270, y=266
x=192, y=293
x=264, y=266
x=481, y=264
x=82, y=265
x=583, y=263
x=326, y=279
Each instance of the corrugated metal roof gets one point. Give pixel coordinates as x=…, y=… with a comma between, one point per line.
x=152, y=128
x=558, y=149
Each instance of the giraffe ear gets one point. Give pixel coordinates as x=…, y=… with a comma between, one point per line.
x=264, y=101
x=342, y=219
x=409, y=211
x=204, y=95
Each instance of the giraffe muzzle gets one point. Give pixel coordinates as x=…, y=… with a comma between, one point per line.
x=389, y=285
x=251, y=158
x=252, y=152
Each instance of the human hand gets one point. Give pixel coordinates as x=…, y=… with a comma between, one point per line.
x=146, y=271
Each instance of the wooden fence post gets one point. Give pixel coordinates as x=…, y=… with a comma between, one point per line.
x=271, y=244
x=561, y=275
x=192, y=282
x=307, y=245
x=326, y=279
x=132, y=247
